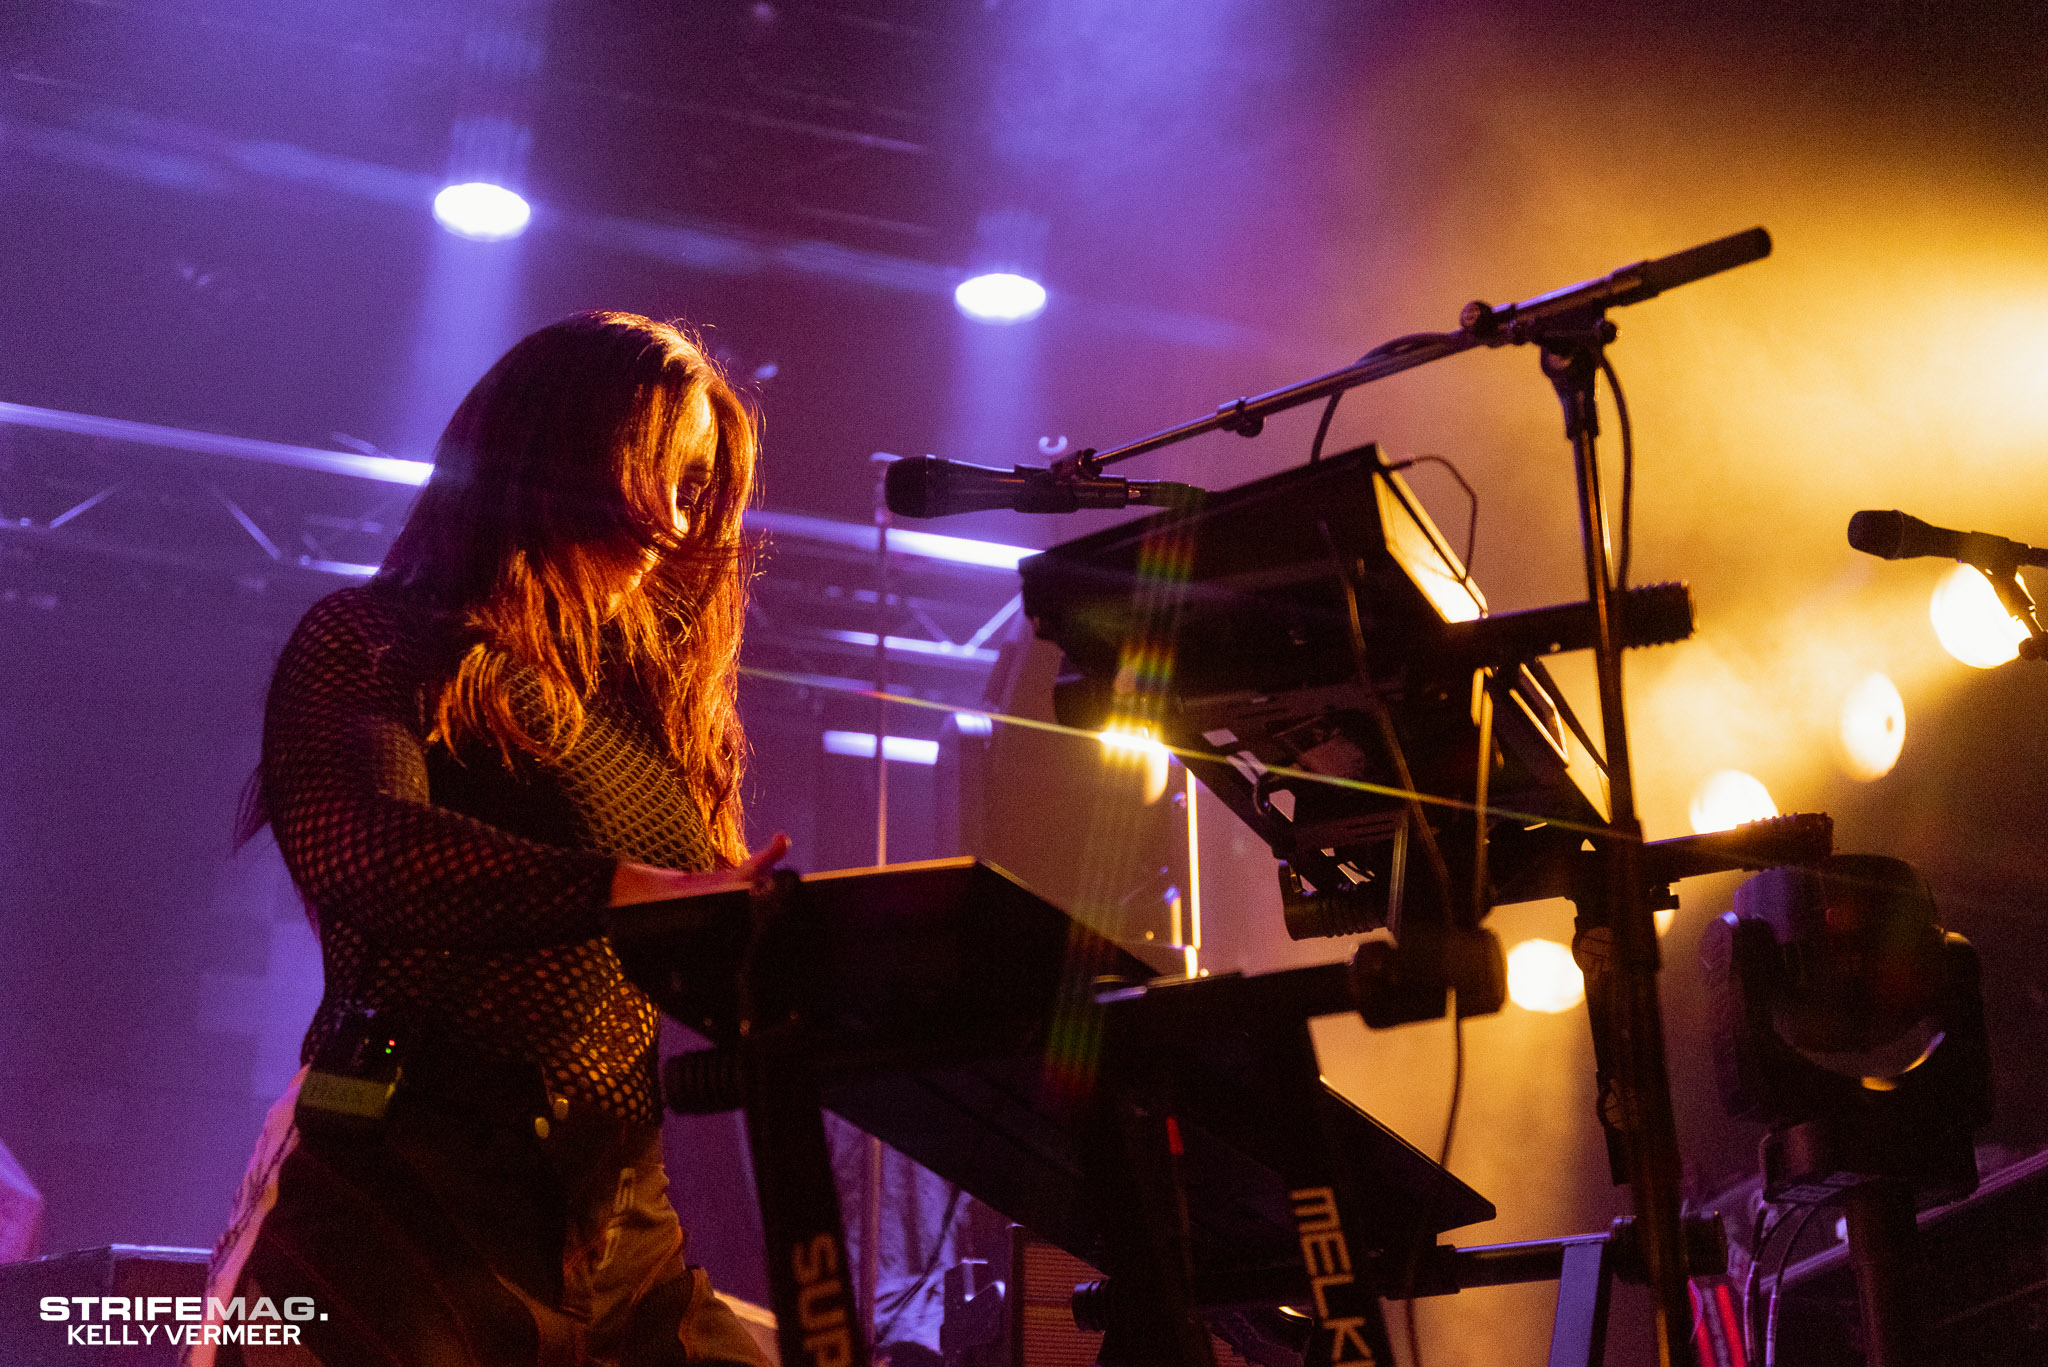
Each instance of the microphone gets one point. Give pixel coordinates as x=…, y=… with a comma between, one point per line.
x=1901, y=536
x=1527, y=320
x=925, y=486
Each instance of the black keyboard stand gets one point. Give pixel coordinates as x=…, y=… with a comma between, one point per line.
x=1143, y=1029
x=1179, y=1136
x=770, y=1074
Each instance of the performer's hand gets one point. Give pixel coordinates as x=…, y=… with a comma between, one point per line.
x=645, y=883
x=756, y=865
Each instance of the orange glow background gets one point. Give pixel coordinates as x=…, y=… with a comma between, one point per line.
x=1890, y=353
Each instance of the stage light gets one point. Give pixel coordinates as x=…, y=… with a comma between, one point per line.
x=1873, y=727
x=999, y=297
x=959, y=550
x=1971, y=623
x=1139, y=746
x=1728, y=798
x=900, y=749
x=1542, y=976
x=481, y=211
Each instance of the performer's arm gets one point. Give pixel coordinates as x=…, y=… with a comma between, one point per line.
x=345, y=787
x=645, y=883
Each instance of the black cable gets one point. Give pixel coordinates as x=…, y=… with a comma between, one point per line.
x=1438, y=867
x=909, y=1293
x=1406, y=342
x=1778, y=1286
x=1761, y=1232
x=1443, y=1153
x=1315, y=449
x=1443, y=1162
x=1388, y=348
x=1481, y=786
x=1389, y=737
x=1628, y=474
x=1472, y=508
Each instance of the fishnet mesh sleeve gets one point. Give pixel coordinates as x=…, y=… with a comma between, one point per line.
x=345, y=787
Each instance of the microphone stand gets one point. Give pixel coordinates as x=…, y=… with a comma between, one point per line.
x=1480, y=324
x=1571, y=329
x=1896, y=535
x=2013, y=596
x=1627, y=1018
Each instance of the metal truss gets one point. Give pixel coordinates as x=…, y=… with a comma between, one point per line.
x=98, y=510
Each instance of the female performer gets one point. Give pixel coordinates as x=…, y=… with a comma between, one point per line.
x=527, y=717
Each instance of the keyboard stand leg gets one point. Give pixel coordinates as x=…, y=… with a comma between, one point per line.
x=817, y=1323
x=1134, y=1161
x=1579, y=1336
x=809, y=1278
x=1350, y=1328
x=1593, y=948
x=1323, y=1193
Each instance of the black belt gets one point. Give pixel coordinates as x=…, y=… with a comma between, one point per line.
x=387, y=1063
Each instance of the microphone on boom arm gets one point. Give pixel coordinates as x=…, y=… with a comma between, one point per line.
x=1901, y=536
x=925, y=486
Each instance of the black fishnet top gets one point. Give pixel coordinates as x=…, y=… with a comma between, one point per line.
x=456, y=886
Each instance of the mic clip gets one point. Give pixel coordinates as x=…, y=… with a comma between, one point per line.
x=1075, y=482
x=1069, y=485
x=1083, y=464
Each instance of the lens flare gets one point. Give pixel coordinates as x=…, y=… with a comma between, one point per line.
x=1542, y=976
x=1971, y=623
x=481, y=211
x=1728, y=798
x=1873, y=728
x=1000, y=297
x=1144, y=674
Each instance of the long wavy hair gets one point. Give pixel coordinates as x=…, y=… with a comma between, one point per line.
x=549, y=529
